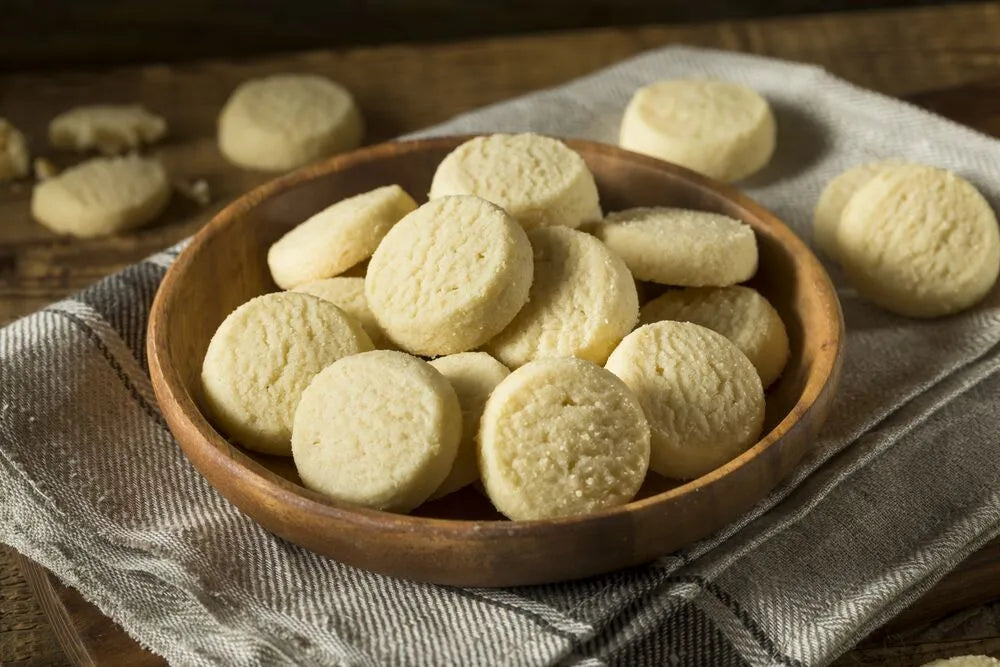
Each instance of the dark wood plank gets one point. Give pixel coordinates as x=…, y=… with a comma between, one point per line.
x=87, y=636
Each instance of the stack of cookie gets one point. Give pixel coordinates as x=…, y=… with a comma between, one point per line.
x=492, y=336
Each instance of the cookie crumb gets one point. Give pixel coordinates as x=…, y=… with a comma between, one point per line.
x=108, y=128
x=197, y=191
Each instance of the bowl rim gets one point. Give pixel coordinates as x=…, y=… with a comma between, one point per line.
x=218, y=451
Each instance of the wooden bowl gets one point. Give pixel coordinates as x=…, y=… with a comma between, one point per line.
x=460, y=539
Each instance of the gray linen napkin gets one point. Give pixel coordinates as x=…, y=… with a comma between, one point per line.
x=903, y=484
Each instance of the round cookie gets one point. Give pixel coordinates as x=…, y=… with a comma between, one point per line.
x=102, y=196
x=561, y=437
x=582, y=302
x=833, y=199
x=261, y=358
x=379, y=429
x=284, y=121
x=716, y=128
x=348, y=294
x=473, y=375
x=449, y=276
x=338, y=237
x=13, y=152
x=919, y=241
x=739, y=313
x=111, y=129
x=702, y=397
x=677, y=246
x=538, y=180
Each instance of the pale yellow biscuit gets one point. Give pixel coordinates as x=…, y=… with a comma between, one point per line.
x=102, y=196
x=561, y=437
x=473, y=375
x=919, y=241
x=284, y=121
x=109, y=128
x=582, y=302
x=833, y=199
x=538, y=180
x=379, y=429
x=702, y=397
x=338, y=237
x=965, y=661
x=678, y=246
x=720, y=129
x=739, y=313
x=349, y=295
x=449, y=276
x=13, y=152
x=261, y=358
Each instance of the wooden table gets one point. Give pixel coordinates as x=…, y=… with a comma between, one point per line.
x=947, y=59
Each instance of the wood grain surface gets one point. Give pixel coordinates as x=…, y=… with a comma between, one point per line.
x=403, y=88
x=944, y=58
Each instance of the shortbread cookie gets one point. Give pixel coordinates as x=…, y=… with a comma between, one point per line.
x=716, y=128
x=348, y=294
x=702, y=397
x=562, y=437
x=647, y=291
x=833, y=199
x=920, y=242
x=261, y=358
x=110, y=129
x=473, y=375
x=13, y=152
x=677, y=246
x=288, y=120
x=102, y=196
x=538, y=180
x=379, y=429
x=582, y=302
x=338, y=237
x=449, y=276
x=739, y=313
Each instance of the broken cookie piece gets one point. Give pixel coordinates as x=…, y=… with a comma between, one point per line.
x=110, y=129
x=13, y=152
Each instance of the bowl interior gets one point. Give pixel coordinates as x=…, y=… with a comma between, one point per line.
x=227, y=266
